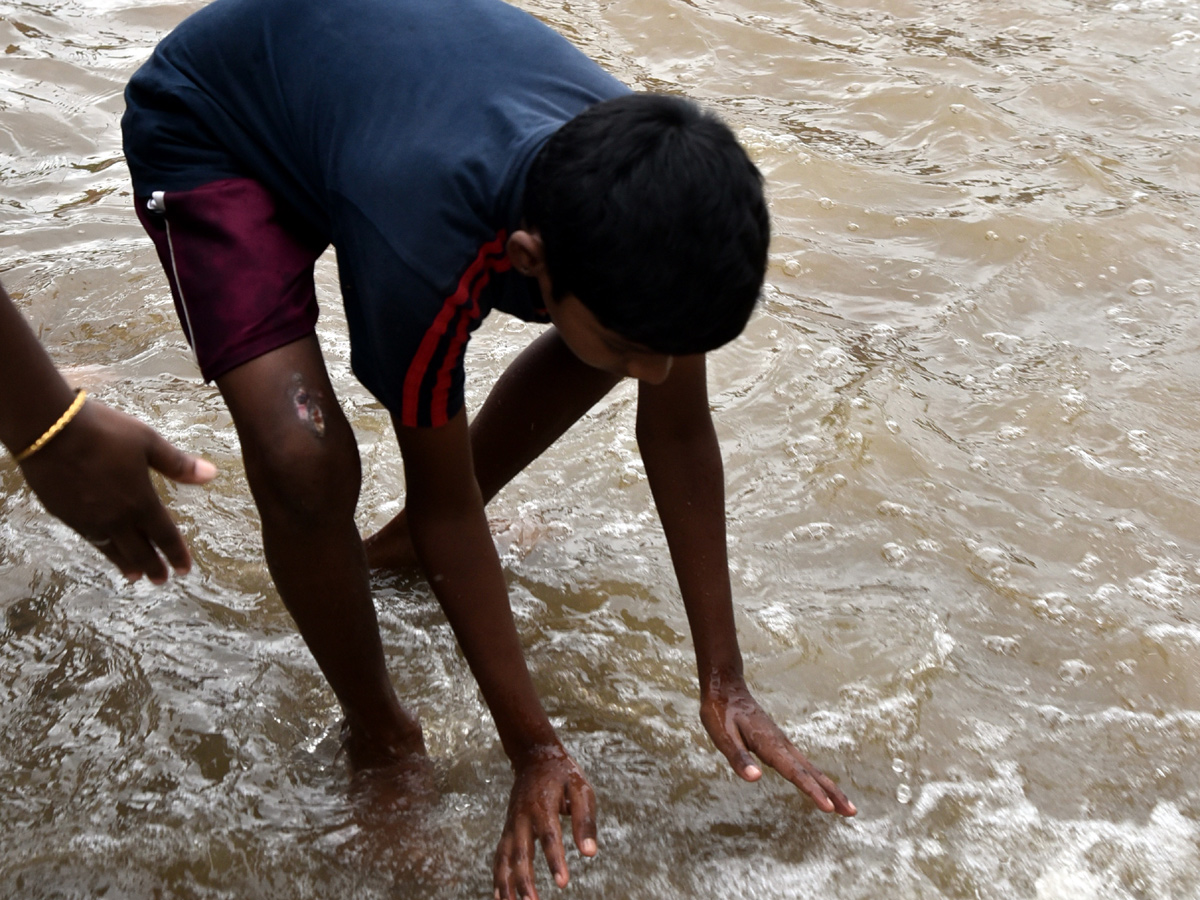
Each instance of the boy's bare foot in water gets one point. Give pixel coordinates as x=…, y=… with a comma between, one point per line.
x=391, y=546
x=397, y=772
x=392, y=805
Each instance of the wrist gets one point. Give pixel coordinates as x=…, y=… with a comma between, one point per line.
x=716, y=678
x=64, y=413
x=531, y=753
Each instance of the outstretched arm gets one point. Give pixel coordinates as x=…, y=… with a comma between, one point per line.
x=93, y=473
x=683, y=463
x=451, y=538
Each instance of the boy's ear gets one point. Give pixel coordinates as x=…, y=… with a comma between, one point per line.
x=527, y=253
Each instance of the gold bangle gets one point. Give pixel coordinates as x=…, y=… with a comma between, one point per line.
x=76, y=406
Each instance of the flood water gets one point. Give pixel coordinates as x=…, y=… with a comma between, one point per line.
x=963, y=490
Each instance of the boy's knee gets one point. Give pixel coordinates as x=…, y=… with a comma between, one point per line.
x=308, y=471
x=308, y=407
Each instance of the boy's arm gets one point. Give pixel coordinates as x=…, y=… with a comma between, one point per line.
x=683, y=463
x=93, y=473
x=451, y=537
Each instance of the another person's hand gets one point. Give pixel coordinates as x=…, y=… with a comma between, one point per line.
x=548, y=785
x=94, y=475
x=739, y=727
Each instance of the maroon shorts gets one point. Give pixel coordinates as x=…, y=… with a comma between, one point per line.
x=240, y=267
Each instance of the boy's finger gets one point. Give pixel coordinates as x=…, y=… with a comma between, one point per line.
x=808, y=778
x=505, y=889
x=505, y=877
x=583, y=816
x=503, y=882
x=500, y=873
x=730, y=744
x=552, y=845
x=522, y=880
x=841, y=803
x=521, y=856
x=809, y=785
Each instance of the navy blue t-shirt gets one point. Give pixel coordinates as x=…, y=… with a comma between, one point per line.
x=401, y=130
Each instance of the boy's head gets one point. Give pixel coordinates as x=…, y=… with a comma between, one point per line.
x=653, y=217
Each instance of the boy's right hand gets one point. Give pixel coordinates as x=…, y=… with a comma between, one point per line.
x=739, y=726
x=548, y=784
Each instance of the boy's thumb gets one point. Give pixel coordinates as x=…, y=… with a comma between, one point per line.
x=179, y=466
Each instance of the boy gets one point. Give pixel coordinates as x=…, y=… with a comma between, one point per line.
x=460, y=157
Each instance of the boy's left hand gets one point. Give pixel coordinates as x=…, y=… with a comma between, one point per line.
x=739, y=726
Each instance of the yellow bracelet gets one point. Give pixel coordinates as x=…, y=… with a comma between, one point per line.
x=76, y=406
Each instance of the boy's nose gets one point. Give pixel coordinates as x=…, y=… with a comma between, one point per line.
x=653, y=369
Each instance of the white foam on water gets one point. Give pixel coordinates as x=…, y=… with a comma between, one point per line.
x=1069, y=883
x=982, y=839
x=1185, y=637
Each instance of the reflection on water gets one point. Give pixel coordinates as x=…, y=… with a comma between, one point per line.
x=963, y=491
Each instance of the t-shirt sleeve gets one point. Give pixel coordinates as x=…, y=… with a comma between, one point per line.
x=408, y=337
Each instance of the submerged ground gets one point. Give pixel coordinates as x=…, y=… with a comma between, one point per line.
x=960, y=441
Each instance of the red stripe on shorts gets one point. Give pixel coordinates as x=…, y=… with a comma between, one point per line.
x=458, y=311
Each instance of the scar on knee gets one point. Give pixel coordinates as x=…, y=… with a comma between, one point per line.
x=308, y=410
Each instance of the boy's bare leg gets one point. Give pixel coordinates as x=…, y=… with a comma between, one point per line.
x=303, y=466
x=545, y=391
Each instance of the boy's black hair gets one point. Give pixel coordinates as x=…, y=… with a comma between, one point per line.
x=653, y=215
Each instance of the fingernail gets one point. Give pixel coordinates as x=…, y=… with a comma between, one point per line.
x=753, y=772
x=588, y=848
x=204, y=469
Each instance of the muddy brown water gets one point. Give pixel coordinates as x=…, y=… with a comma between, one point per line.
x=963, y=482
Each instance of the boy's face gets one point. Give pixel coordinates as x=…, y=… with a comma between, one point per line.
x=602, y=348
x=594, y=344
